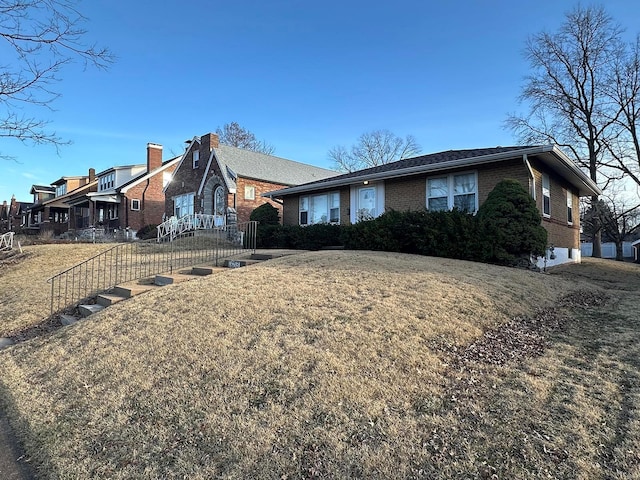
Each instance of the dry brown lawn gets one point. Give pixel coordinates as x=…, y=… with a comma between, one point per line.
x=342, y=365
x=24, y=292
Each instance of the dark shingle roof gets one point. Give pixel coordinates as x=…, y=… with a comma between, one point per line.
x=422, y=160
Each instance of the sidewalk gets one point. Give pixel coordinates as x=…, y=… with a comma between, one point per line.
x=12, y=459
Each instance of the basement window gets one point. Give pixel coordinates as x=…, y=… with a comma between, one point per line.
x=135, y=204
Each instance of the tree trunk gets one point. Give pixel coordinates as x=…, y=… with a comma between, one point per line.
x=597, y=236
x=619, y=251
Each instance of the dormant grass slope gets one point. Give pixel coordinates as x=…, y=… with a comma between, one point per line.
x=318, y=365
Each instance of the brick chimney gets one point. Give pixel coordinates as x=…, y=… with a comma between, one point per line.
x=92, y=174
x=154, y=156
x=210, y=140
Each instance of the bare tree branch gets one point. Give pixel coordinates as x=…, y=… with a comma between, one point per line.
x=236, y=136
x=42, y=36
x=374, y=148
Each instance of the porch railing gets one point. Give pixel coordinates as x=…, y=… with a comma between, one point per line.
x=6, y=241
x=174, y=226
x=132, y=261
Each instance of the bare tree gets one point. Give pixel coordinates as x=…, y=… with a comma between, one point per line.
x=624, y=92
x=236, y=136
x=42, y=37
x=567, y=90
x=374, y=148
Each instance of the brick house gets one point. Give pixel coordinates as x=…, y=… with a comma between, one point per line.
x=126, y=197
x=49, y=211
x=13, y=215
x=228, y=182
x=454, y=178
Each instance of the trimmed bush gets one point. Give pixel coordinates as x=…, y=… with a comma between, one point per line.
x=265, y=214
x=510, y=225
x=147, y=232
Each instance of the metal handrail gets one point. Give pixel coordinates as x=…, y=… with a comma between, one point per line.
x=6, y=241
x=174, y=226
x=127, y=262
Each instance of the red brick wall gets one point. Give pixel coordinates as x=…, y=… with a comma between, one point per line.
x=152, y=202
x=245, y=206
x=187, y=179
x=409, y=193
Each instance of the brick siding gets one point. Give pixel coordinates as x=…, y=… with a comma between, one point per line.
x=409, y=193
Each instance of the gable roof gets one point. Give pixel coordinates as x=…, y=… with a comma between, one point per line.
x=42, y=188
x=259, y=166
x=550, y=155
x=135, y=181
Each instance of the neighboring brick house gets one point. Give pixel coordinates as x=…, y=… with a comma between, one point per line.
x=226, y=181
x=13, y=215
x=455, y=178
x=127, y=197
x=49, y=211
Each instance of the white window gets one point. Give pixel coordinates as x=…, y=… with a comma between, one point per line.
x=249, y=192
x=61, y=190
x=135, y=204
x=366, y=203
x=569, y=208
x=453, y=191
x=196, y=158
x=546, y=195
x=183, y=205
x=107, y=181
x=323, y=208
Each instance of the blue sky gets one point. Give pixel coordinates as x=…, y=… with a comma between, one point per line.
x=304, y=76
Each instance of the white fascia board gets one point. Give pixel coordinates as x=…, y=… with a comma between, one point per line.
x=434, y=167
x=555, y=152
x=162, y=168
x=206, y=171
x=184, y=155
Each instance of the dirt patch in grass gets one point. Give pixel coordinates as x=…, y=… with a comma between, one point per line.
x=337, y=365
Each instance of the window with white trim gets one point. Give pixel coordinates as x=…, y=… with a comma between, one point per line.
x=107, y=182
x=458, y=190
x=183, y=205
x=196, y=158
x=249, y=192
x=323, y=208
x=61, y=190
x=569, y=207
x=546, y=195
x=135, y=204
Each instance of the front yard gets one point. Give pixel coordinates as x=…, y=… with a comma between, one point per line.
x=341, y=364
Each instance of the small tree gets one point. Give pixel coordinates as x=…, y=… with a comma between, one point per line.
x=510, y=224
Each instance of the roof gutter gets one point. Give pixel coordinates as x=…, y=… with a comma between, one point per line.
x=464, y=162
x=461, y=163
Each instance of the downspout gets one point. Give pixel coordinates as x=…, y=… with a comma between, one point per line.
x=144, y=192
x=532, y=178
x=275, y=200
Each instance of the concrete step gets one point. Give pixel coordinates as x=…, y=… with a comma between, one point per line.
x=67, y=320
x=261, y=256
x=202, y=271
x=86, y=310
x=170, y=278
x=108, y=299
x=130, y=290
